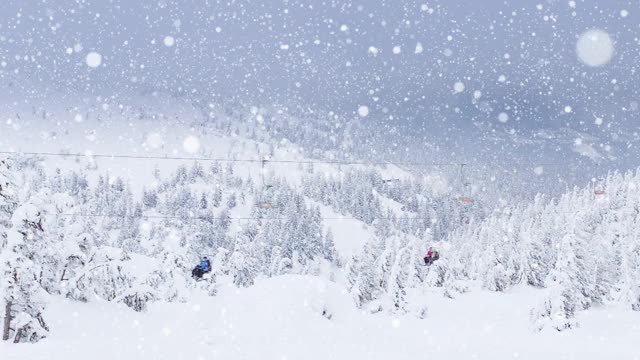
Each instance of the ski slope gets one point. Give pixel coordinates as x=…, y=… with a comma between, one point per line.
x=281, y=318
x=165, y=133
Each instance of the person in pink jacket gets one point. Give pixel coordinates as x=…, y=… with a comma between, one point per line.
x=432, y=255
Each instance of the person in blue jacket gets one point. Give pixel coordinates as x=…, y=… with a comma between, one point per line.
x=202, y=268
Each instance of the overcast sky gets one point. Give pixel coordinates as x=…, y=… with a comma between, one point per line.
x=419, y=66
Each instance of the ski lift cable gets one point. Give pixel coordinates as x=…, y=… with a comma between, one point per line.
x=202, y=218
x=179, y=158
x=465, y=198
x=262, y=161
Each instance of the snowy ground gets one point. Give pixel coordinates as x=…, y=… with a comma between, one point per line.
x=107, y=129
x=281, y=318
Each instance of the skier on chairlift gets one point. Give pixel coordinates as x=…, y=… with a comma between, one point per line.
x=202, y=268
x=431, y=256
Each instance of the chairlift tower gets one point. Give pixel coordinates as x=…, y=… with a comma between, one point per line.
x=264, y=204
x=466, y=195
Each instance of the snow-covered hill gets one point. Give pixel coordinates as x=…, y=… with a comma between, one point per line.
x=158, y=135
x=306, y=317
x=583, y=248
x=185, y=189
x=373, y=179
x=114, y=234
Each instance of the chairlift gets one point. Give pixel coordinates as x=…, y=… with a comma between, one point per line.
x=465, y=185
x=599, y=190
x=262, y=169
x=263, y=204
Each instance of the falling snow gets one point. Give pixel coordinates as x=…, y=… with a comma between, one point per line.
x=538, y=170
x=314, y=151
x=595, y=47
x=419, y=49
x=363, y=111
x=169, y=41
x=94, y=59
x=191, y=144
x=154, y=140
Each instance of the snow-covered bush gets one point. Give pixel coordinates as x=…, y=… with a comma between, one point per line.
x=21, y=286
x=135, y=280
x=557, y=311
x=582, y=247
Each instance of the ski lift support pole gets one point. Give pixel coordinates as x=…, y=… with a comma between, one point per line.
x=264, y=162
x=462, y=177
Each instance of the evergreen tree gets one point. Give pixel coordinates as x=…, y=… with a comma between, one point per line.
x=353, y=279
x=204, y=204
x=398, y=281
x=328, y=247
x=242, y=264
x=361, y=277
x=23, y=294
x=149, y=198
x=560, y=307
x=217, y=197
x=7, y=201
x=231, y=201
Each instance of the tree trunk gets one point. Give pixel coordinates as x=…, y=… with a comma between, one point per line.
x=18, y=337
x=7, y=321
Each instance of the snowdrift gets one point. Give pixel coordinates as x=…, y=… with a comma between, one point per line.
x=306, y=317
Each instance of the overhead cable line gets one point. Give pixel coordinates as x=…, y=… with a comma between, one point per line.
x=205, y=218
x=260, y=161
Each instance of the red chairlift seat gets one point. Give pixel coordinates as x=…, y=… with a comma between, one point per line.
x=599, y=192
x=265, y=205
x=465, y=199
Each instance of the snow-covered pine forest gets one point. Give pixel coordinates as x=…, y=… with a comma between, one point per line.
x=62, y=236
x=98, y=240
x=66, y=236
x=583, y=249
x=85, y=229
x=353, y=179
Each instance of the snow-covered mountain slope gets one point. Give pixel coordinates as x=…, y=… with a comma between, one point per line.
x=113, y=230
x=583, y=247
x=195, y=190
x=306, y=154
x=582, y=250
x=160, y=134
x=305, y=317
